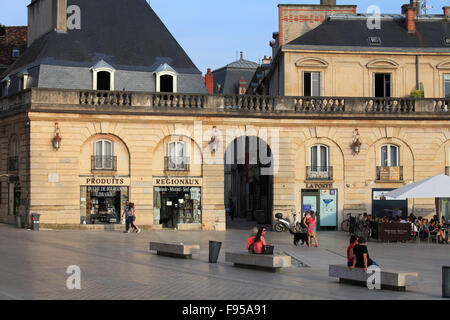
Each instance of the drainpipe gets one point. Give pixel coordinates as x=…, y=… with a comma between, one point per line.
x=417, y=72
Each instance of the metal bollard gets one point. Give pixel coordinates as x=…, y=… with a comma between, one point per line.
x=446, y=281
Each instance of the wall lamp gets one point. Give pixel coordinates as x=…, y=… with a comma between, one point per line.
x=356, y=145
x=56, y=141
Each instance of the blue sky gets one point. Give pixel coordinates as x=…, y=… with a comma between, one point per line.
x=212, y=32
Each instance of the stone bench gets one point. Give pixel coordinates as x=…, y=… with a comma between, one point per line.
x=390, y=280
x=175, y=250
x=266, y=262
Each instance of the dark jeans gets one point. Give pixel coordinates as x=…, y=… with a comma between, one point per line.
x=130, y=220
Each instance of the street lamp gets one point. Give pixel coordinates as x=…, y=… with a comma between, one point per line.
x=56, y=141
x=356, y=145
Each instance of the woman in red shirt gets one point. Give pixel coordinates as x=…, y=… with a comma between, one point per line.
x=259, y=241
x=350, y=255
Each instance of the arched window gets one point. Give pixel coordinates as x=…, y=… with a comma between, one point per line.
x=390, y=155
x=319, y=158
x=103, y=155
x=176, y=156
x=166, y=83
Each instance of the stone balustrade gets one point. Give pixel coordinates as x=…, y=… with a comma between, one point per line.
x=90, y=100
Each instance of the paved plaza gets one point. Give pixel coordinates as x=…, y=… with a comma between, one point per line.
x=115, y=265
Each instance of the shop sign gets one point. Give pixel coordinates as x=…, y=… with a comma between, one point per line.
x=105, y=181
x=319, y=186
x=185, y=181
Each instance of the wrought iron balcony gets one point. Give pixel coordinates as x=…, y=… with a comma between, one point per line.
x=104, y=163
x=390, y=173
x=13, y=164
x=176, y=163
x=319, y=173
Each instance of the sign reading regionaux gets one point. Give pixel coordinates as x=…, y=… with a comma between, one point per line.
x=177, y=181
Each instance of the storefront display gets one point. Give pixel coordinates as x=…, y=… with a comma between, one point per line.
x=102, y=204
x=324, y=204
x=177, y=205
x=385, y=206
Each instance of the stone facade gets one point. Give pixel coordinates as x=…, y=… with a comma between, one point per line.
x=50, y=180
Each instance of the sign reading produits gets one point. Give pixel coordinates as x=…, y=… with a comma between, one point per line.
x=104, y=181
x=185, y=181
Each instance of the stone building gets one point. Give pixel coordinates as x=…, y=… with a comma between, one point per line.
x=74, y=155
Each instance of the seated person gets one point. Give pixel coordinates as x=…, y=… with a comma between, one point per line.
x=259, y=241
x=436, y=230
x=353, y=242
x=361, y=257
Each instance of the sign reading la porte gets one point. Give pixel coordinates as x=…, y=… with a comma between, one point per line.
x=177, y=181
x=319, y=186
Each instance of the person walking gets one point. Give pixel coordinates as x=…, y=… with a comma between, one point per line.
x=311, y=222
x=131, y=219
x=126, y=210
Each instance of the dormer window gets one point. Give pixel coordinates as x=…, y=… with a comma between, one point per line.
x=166, y=79
x=103, y=76
x=4, y=86
x=23, y=80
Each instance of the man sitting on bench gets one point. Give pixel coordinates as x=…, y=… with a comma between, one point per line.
x=361, y=257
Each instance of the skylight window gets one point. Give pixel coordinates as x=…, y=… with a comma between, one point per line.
x=15, y=53
x=374, y=41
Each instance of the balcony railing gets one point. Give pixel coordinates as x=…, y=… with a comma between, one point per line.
x=104, y=163
x=39, y=99
x=319, y=173
x=176, y=163
x=390, y=173
x=13, y=164
x=447, y=171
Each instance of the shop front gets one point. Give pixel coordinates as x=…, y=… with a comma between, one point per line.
x=102, y=200
x=177, y=203
x=324, y=202
x=385, y=206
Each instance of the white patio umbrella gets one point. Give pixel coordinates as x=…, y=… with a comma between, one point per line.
x=433, y=187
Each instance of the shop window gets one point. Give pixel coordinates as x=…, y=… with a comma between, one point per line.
x=104, y=158
x=390, y=156
x=177, y=205
x=383, y=85
x=102, y=204
x=311, y=84
x=176, y=159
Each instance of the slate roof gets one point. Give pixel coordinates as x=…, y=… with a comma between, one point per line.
x=352, y=32
x=228, y=77
x=127, y=34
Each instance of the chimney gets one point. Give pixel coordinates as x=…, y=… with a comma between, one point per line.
x=266, y=60
x=328, y=2
x=410, y=18
x=45, y=16
x=242, y=55
x=242, y=86
x=209, y=81
x=446, y=12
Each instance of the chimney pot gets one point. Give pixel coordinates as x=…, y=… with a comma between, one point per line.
x=446, y=12
x=411, y=19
